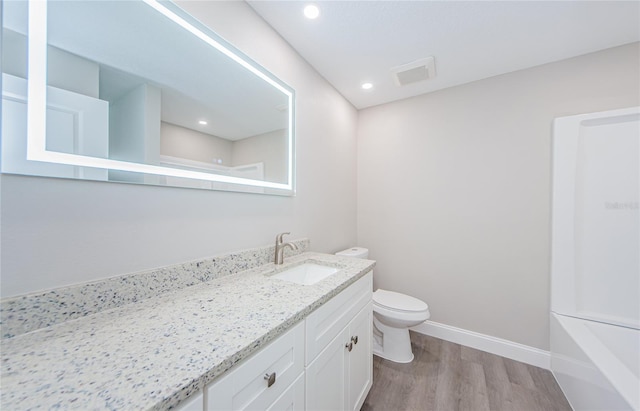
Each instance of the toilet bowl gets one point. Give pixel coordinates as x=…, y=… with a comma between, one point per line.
x=393, y=314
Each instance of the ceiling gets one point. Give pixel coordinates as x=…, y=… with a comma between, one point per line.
x=353, y=42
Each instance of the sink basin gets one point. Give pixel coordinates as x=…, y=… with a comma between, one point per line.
x=306, y=274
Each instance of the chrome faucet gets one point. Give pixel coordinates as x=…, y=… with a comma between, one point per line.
x=280, y=246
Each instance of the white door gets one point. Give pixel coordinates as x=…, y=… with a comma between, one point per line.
x=76, y=124
x=326, y=377
x=360, y=359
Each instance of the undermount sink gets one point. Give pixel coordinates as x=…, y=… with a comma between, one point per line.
x=306, y=274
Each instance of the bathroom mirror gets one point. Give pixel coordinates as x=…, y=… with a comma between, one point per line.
x=139, y=92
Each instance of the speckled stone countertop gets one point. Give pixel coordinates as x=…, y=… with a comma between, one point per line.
x=154, y=353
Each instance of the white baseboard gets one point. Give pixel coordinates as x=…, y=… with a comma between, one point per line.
x=505, y=348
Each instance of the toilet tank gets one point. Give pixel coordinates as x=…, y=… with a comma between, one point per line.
x=355, y=252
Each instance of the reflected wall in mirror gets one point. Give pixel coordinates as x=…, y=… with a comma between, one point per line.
x=141, y=92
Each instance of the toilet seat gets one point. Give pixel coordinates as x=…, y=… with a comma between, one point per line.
x=396, y=302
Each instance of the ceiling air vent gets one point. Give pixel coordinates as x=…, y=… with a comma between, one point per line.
x=414, y=72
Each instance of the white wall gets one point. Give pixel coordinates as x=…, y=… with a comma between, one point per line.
x=269, y=148
x=57, y=232
x=134, y=131
x=64, y=70
x=454, y=189
x=182, y=142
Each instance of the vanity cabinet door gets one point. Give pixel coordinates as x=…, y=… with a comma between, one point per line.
x=259, y=381
x=360, y=359
x=194, y=403
x=341, y=375
x=328, y=320
x=326, y=378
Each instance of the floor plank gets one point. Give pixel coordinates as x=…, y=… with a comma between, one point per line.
x=445, y=376
x=498, y=385
x=518, y=374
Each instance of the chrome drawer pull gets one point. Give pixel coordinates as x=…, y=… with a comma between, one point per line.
x=271, y=379
x=354, y=339
x=349, y=346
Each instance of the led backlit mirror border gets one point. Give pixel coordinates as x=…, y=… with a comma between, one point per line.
x=37, y=105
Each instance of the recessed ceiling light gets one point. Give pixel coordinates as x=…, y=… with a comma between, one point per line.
x=202, y=122
x=366, y=86
x=311, y=11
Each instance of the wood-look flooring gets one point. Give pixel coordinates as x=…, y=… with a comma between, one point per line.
x=445, y=376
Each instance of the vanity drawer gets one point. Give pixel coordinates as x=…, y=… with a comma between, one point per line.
x=245, y=387
x=292, y=399
x=328, y=320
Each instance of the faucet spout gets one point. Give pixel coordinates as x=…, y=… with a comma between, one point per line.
x=280, y=246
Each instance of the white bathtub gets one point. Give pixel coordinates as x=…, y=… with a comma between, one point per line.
x=597, y=365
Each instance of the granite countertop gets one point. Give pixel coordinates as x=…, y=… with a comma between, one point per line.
x=153, y=354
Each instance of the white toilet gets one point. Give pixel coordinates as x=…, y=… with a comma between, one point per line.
x=393, y=314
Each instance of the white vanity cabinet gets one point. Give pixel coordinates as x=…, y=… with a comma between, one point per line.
x=339, y=372
x=268, y=379
x=194, y=403
x=360, y=360
x=323, y=363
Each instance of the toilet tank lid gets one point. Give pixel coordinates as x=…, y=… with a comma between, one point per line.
x=357, y=252
x=398, y=301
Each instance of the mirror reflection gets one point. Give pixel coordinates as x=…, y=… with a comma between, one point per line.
x=125, y=82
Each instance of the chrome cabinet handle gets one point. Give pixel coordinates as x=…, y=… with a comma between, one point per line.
x=349, y=346
x=271, y=379
x=355, y=339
